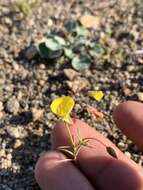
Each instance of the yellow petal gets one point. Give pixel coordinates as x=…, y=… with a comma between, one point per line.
x=62, y=106
x=97, y=95
x=68, y=119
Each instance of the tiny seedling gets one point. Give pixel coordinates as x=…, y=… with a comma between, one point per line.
x=74, y=44
x=62, y=107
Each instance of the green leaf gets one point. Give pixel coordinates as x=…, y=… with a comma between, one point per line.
x=61, y=41
x=81, y=31
x=55, y=54
x=52, y=44
x=81, y=63
x=68, y=53
x=81, y=43
x=45, y=52
x=71, y=26
x=84, y=41
x=96, y=49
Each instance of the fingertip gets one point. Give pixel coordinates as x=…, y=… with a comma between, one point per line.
x=118, y=112
x=122, y=112
x=126, y=108
x=126, y=112
x=128, y=118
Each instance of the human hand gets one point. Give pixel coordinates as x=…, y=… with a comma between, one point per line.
x=95, y=168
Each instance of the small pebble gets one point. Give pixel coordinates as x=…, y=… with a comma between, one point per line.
x=130, y=68
x=17, y=143
x=42, y=82
x=50, y=22
x=7, y=21
x=15, y=132
x=15, y=66
x=128, y=154
x=127, y=91
x=121, y=145
x=12, y=105
x=37, y=114
x=31, y=52
x=70, y=74
x=78, y=84
x=1, y=106
x=2, y=153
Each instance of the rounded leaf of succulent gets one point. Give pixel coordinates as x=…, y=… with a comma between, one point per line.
x=52, y=44
x=80, y=63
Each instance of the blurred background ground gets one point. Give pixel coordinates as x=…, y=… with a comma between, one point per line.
x=27, y=84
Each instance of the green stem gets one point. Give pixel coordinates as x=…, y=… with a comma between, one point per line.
x=70, y=136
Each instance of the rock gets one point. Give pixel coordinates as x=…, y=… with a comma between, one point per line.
x=19, y=95
x=31, y=52
x=140, y=96
x=50, y=22
x=37, y=114
x=7, y=21
x=1, y=106
x=16, y=132
x=17, y=143
x=128, y=154
x=12, y=105
x=2, y=131
x=127, y=91
x=38, y=132
x=89, y=21
x=15, y=66
x=71, y=74
x=121, y=145
x=9, y=156
x=1, y=61
x=2, y=153
x=78, y=84
x=1, y=115
x=42, y=66
x=13, y=132
x=130, y=68
x=41, y=82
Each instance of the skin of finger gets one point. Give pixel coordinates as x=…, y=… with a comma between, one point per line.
x=128, y=117
x=96, y=163
x=53, y=173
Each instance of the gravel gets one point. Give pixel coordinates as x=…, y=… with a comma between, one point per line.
x=1, y=106
x=28, y=83
x=12, y=105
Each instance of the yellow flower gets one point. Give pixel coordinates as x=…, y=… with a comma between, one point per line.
x=97, y=95
x=62, y=107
